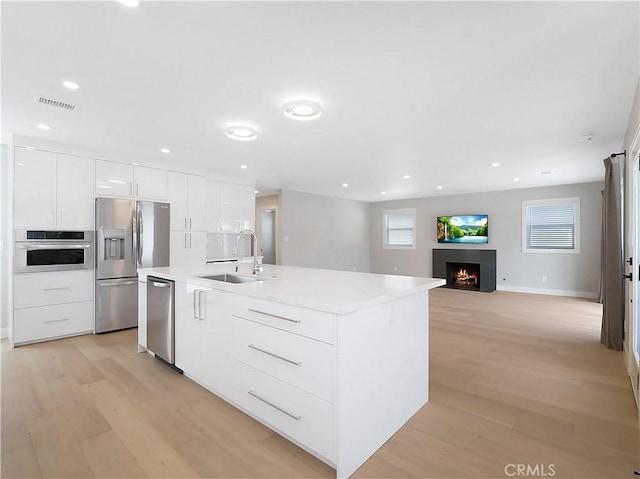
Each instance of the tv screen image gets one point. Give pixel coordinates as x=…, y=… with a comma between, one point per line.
x=473, y=229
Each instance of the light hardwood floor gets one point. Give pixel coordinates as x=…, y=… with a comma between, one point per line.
x=515, y=379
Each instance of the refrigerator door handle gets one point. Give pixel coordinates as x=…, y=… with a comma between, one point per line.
x=134, y=236
x=140, y=235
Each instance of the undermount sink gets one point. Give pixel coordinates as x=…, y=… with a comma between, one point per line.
x=233, y=278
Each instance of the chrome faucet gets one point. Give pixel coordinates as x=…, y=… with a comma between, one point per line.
x=257, y=267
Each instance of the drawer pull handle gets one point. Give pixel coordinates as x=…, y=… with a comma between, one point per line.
x=56, y=320
x=295, y=363
x=56, y=289
x=292, y=416
x=297, y=321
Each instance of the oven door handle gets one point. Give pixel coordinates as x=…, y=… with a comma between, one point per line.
x=52, y=246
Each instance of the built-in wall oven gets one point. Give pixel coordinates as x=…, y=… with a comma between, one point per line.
x=45, y=250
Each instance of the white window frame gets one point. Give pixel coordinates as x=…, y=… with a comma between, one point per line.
x=550, y=202
x=403, y=211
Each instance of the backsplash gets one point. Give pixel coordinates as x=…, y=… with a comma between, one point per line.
x=220, y=246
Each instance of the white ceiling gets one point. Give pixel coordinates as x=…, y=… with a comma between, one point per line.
x=436, y=90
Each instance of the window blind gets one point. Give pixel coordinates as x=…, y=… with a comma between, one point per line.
x=399, y=229
x=551, y=226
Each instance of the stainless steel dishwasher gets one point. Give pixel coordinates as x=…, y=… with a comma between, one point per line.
x=161, y=313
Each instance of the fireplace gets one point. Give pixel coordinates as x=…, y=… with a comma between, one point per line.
x=463, y=276
x=470, y=269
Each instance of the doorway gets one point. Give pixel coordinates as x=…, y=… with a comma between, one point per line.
x=633, y=330
x=267, y=220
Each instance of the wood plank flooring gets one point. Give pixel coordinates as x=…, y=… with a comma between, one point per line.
x=515, y=379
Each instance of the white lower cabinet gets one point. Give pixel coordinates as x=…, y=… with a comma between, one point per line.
x=203, y=336
x=52, y=321
x=40, y=289
x=302, y=362
x=52, y=305
x=302, y=417
x=283, y=379
x=187, y=329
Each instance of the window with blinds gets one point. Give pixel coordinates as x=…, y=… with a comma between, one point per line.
x=551, y=226
x=399, y=229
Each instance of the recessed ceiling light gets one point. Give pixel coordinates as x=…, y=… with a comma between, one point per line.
x=439, y=187
x=345, y=185
x=42, y=126
x=129, y=3
x=165, y=150
x=302, y=110
x=406, y=177
x=516, y=179
x=71, y=85
x=383, y=192
x=495, y=164
x=255, y=192
x=243, y=167
x=243, y=133
x=587, y=137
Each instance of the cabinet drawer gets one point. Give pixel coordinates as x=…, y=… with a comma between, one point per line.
x=298, y=415
x=48, y=322
x=39, y=289
x=302, y=362
x=306, y=322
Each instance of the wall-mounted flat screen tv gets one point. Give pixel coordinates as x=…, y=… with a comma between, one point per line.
x=473, y=229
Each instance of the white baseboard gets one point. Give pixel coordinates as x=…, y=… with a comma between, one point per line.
x=552, y=292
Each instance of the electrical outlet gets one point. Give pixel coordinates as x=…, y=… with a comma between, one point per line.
x=544, y=279
x=395, y=268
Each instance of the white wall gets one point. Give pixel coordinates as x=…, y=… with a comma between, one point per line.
x=323, y=232
x=570, y=274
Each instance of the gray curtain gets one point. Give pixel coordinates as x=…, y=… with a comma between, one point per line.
x=612, y=334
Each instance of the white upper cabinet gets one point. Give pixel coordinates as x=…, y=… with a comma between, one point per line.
x=186, y=193
x=53, y=190
x=227, y=222
x=150, y=183
x=35, y=189
x=230, y=207
x=75, y=192
x=177, y=186
x=212, y=206
x=113, y=179
x=196, y=193
x=246, y=207
x=122, y=179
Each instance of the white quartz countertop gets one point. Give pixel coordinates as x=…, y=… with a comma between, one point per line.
x=338, y=292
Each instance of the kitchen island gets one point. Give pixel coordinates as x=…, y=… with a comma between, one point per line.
x=334, y=361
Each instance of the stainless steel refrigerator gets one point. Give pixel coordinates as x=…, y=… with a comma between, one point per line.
x=129, y=235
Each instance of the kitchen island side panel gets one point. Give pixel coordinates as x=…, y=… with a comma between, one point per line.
x=383, y=375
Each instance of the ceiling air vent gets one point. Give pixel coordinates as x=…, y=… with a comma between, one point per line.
x=51, y=102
